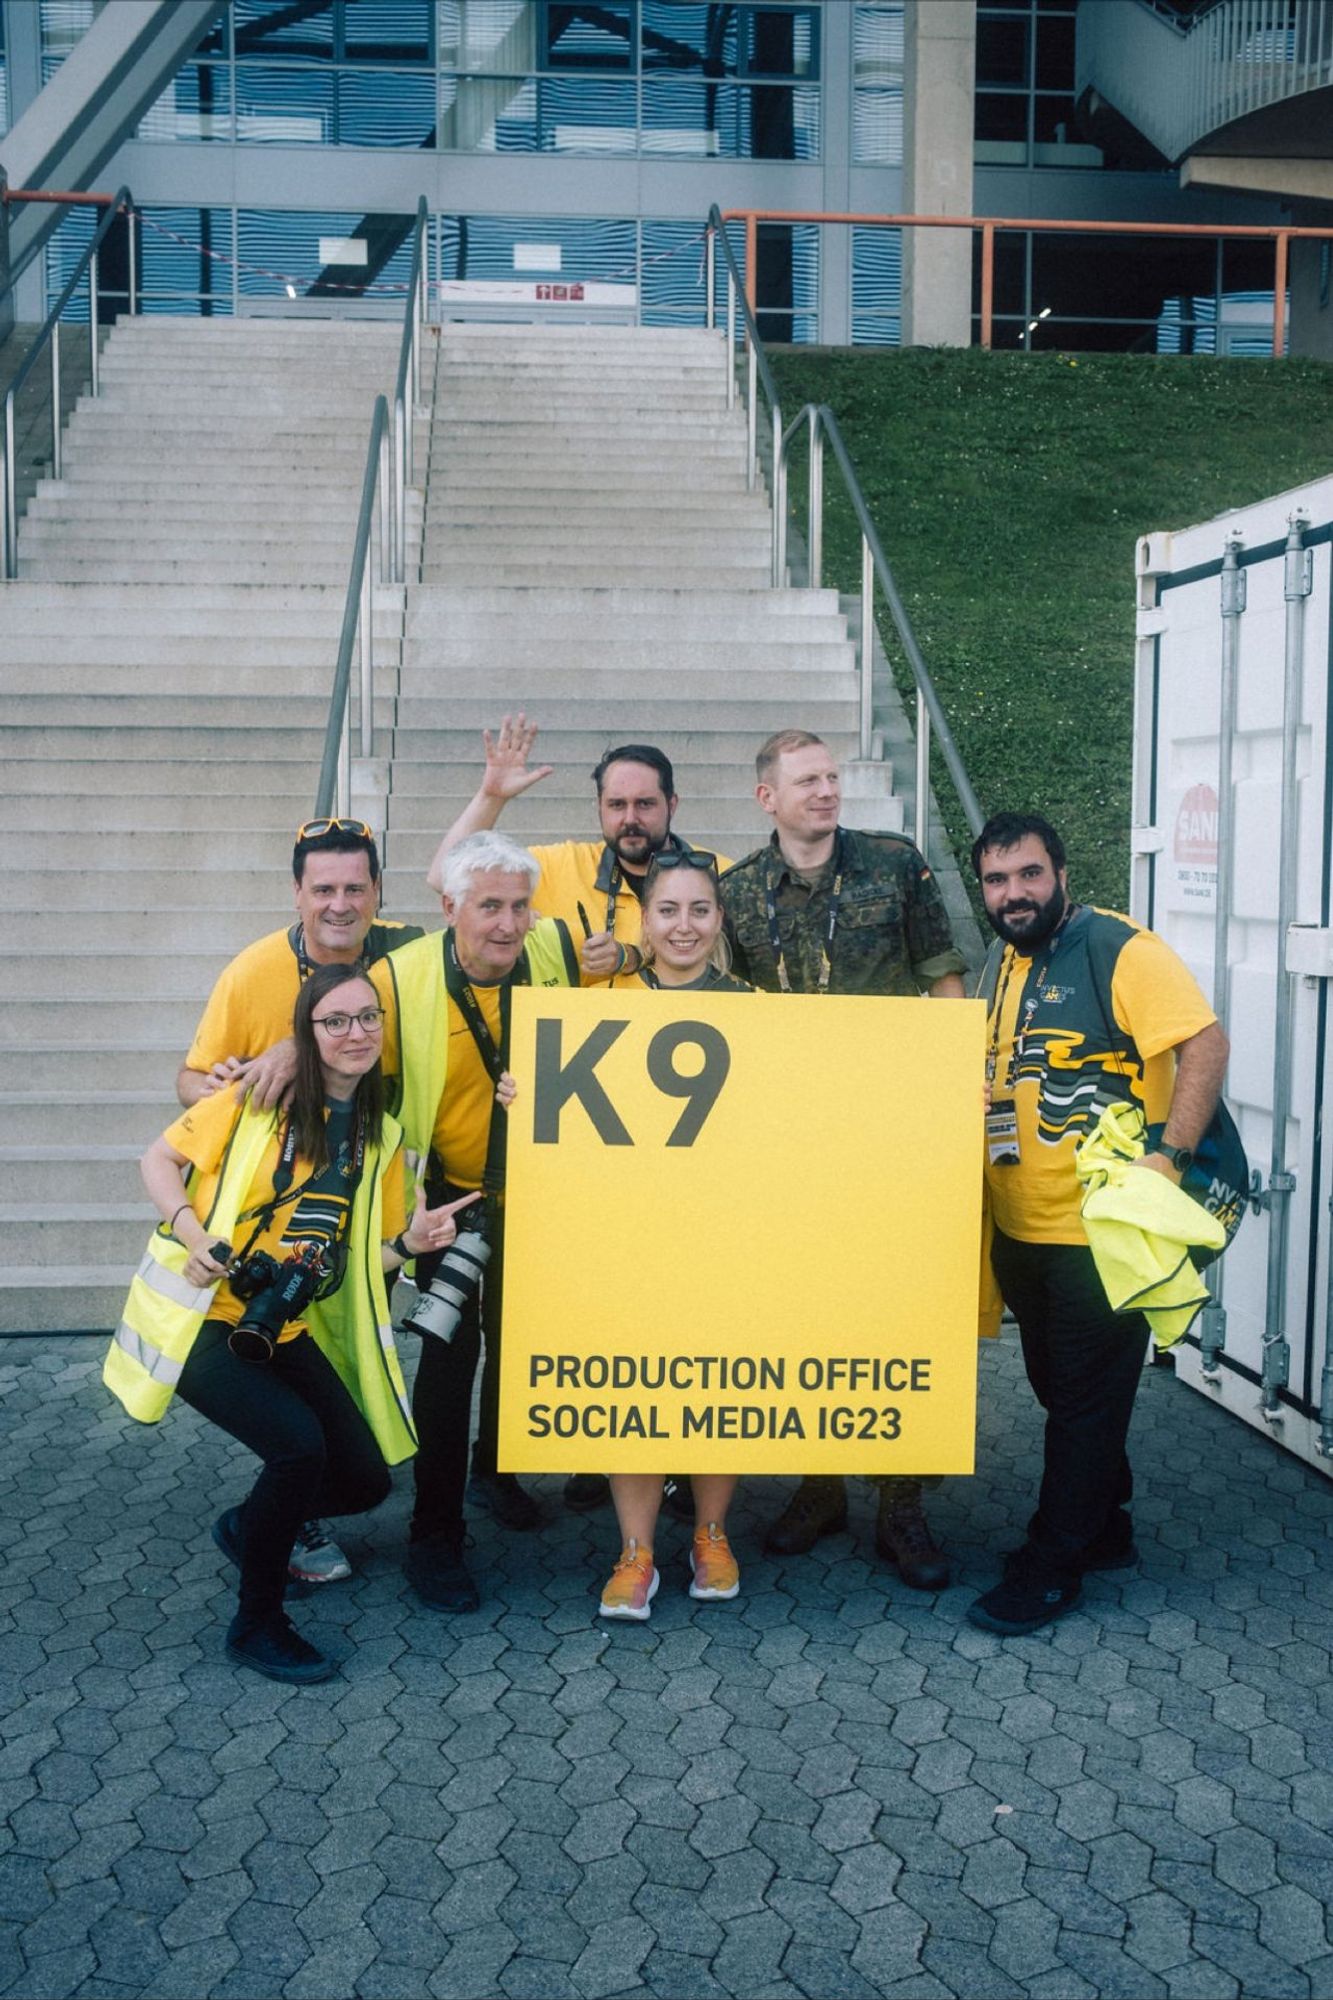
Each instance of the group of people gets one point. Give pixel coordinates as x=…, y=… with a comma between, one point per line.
x=345, y=1101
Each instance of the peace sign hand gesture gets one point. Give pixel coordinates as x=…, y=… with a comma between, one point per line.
x=507, y=753
x=433, y=1228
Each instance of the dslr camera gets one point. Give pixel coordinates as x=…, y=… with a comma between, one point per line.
x=456, y=1282
x=274, y=1294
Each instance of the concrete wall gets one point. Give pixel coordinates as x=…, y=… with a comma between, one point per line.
x=938, y=88
x=1312, y=300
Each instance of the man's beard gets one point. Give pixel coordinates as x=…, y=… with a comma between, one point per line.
x=1033, y=930
x=644, y=848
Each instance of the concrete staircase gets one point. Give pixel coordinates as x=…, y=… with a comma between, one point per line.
x=169, y=650
x=591, y=555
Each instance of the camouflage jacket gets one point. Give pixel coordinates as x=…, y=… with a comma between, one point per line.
x=892, y=934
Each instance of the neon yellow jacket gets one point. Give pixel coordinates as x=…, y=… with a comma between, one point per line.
x=1141, y=1228
x=414, y=976
x=164, y=1311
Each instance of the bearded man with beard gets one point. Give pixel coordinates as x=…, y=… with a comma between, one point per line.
x=1086, y=1009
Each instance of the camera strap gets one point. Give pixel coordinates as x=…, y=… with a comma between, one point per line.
x=495, y=1057
x=262, y=1215
x=830, y=927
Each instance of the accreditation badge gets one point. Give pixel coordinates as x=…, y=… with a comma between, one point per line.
x=1002, y=1133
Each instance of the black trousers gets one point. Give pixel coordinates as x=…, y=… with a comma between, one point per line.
x=319, y=1453
x=442, y=1394
x=1084, y=1363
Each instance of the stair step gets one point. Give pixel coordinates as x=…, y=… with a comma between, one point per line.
x=46, y=1173
x=49, y=783
x=83, y=1064
x=199, y=929
x=40, y=1234
x=82, y=1298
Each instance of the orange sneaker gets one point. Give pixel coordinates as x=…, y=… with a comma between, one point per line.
x=714, y=1571
x=632, y=1585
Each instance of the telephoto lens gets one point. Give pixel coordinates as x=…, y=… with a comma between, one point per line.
x=456, y=1281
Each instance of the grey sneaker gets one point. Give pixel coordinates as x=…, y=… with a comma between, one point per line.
x=316, y=1557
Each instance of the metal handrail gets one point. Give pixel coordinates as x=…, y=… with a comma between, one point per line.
x=12, y=197
x=335, y=771
x=122, y=202
x=758, y=374
x=821, y=423
x=407, y=391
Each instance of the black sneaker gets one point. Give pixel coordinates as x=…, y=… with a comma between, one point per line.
x=228, y=1535
x=500, y=1495
x=438, y=1574
x=585, y=1491
x=1030, y=1594
x=678, y=1497
x=1114, y=1548
x=277, y=1649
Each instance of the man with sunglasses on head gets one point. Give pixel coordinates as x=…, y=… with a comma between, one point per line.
x=825, y=909
x=244, y=1034
x=593, y=886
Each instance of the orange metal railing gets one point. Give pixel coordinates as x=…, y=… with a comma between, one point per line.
x=1280, y=235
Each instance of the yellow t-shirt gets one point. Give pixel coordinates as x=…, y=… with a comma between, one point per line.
x=250, y=1007
x=202, y=1134
x=1051, y=1071
x=569, y=877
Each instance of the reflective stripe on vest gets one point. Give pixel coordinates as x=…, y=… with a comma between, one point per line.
x=164, y=1311
x=174, y=1285
x=159, y=1366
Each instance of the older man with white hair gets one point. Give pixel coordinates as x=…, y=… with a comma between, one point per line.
x=447, y=1001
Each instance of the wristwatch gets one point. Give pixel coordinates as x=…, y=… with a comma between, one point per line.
x=1181, y=1158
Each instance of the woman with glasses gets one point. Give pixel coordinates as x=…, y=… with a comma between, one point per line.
x=684, y=951
x=262, y=1301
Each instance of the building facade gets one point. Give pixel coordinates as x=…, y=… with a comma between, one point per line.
x=559, y=144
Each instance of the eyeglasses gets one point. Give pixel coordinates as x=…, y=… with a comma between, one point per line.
x=315, y=829
x=694, y=857
x=370, y=1020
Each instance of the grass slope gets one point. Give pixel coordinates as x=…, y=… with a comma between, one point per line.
x=1008, y=491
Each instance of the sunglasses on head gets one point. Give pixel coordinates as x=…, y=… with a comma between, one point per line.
x=315, y=829
x=696, y=857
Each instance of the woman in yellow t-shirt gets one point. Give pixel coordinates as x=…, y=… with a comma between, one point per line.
x=683, y=951
x=323, y=1185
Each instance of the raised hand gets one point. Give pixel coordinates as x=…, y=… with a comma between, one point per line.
x=507, y=753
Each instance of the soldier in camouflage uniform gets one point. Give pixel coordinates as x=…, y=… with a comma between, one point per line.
x=824, y=909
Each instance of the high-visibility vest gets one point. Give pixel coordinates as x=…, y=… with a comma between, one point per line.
x=415, y=974
x=164, y=1311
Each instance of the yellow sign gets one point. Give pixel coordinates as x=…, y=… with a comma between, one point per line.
x=742, y=1234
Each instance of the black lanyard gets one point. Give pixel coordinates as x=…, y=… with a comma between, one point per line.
x=296, y=939
x=1030, y=1004
x=495, y=1058
x=830, y=928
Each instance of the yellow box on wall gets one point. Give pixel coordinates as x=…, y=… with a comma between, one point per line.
x=742, y=1234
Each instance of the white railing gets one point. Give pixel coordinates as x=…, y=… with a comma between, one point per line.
x=1178, y=82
